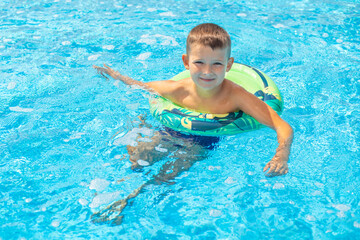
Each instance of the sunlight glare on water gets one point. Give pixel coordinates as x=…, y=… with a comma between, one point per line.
x=66, y=131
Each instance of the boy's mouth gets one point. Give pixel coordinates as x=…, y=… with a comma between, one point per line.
x=207, y=79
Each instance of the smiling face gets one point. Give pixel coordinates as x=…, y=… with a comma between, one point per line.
x=207, y=66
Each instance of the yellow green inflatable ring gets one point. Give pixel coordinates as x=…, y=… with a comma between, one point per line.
x=205, y=124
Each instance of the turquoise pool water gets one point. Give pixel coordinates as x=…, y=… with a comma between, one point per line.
x=63, y=129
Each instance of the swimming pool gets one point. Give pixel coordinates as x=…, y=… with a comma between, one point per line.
x=64, y=129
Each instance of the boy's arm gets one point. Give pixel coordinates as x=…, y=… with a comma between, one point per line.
x=263, y=113
x=157, y=87
x=116, y=75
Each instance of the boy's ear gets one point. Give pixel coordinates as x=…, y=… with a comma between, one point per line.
x=229, y=64
x=185, y=59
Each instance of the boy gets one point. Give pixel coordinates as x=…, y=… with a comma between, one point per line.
x=208, y=58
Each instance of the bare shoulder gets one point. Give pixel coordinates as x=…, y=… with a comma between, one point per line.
x=168, y=88
x=243, y=99
x=236, y=91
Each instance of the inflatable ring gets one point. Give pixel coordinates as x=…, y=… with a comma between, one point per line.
x=205, y=124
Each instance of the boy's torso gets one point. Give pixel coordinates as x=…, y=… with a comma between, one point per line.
x=223, y=102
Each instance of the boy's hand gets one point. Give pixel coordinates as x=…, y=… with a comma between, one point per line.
x=116, y=75
x=278, y=165
x=107, y=70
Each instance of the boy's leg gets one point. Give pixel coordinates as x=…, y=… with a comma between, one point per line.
x=183, y=154
x=181, y=161
x=148, y=153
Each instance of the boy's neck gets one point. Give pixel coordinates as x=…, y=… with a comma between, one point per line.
x=207, y=94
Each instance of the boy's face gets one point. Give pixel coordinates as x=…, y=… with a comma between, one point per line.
x=207, y=66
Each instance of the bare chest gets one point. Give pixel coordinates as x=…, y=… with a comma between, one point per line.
x=220, y=105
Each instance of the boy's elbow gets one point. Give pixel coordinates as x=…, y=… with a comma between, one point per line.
x=284, y=130
x=288, y=132
x=291, y=131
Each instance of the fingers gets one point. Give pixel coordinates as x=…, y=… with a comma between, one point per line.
x=267, y=166
x=108, y=68
x=102, y=70
x=99, y=69
x=276, y=169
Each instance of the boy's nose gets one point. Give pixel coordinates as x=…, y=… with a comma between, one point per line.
x=207, y=69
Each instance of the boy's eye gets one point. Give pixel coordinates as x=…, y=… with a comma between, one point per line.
x=198, y=62
x=218, y=63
